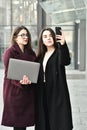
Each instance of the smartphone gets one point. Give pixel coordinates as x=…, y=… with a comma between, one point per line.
x=57, y=30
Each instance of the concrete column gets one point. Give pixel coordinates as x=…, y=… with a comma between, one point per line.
x=82, y=52
x=76, y=35
x=86, y=41
x=41, y=17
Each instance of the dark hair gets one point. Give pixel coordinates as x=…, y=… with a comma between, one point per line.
x=41, y=47
x=15, y=33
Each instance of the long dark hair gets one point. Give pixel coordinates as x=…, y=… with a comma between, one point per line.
x=41, y=47
x=15, y=33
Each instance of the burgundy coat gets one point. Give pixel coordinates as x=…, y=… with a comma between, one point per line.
x=18, y=99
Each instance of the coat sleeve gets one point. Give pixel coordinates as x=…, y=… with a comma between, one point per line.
x=64, y=55
x=7, y=55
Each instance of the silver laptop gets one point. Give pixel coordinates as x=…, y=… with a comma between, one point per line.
x=18, y=68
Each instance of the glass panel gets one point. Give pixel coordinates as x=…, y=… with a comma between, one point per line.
x=68, y=16
x=4, y=41
x=60, y=5
x=69, y=35
x=24, y=12
x=5, y=13
x=65, y=10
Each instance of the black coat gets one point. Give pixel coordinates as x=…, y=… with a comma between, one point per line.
x=53, y=108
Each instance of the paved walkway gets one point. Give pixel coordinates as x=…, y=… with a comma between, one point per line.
x=78, y=94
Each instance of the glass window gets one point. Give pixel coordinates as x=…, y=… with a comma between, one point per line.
x=13, y=13
x=24, y=12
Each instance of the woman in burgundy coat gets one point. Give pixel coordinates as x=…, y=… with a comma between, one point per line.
x=18, y=97
x=53, y=107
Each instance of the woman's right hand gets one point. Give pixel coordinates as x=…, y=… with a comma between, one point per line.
x=61, y=38
x=25, y=80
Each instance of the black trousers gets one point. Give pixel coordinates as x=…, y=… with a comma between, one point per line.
x=19, y=128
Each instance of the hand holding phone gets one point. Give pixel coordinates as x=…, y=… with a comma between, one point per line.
x=58, y=30
x=60, y=39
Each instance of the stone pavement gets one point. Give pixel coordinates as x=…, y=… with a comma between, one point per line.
x=78, y=95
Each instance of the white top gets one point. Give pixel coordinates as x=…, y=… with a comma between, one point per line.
x=46, y=57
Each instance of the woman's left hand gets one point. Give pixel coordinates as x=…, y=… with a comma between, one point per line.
x=25, y=80
x=61, y=38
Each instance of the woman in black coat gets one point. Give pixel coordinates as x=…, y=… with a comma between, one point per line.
x=53, y=108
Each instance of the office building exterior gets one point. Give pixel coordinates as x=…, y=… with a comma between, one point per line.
x=36, y=14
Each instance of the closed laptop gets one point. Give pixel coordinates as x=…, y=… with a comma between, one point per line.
x=18, y=68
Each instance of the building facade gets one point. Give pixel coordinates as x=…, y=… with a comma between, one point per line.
x=36, y=14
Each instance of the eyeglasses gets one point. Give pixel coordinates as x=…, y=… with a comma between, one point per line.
x=23, y=35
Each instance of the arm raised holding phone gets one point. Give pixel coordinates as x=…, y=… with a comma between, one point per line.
x=60, y=37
